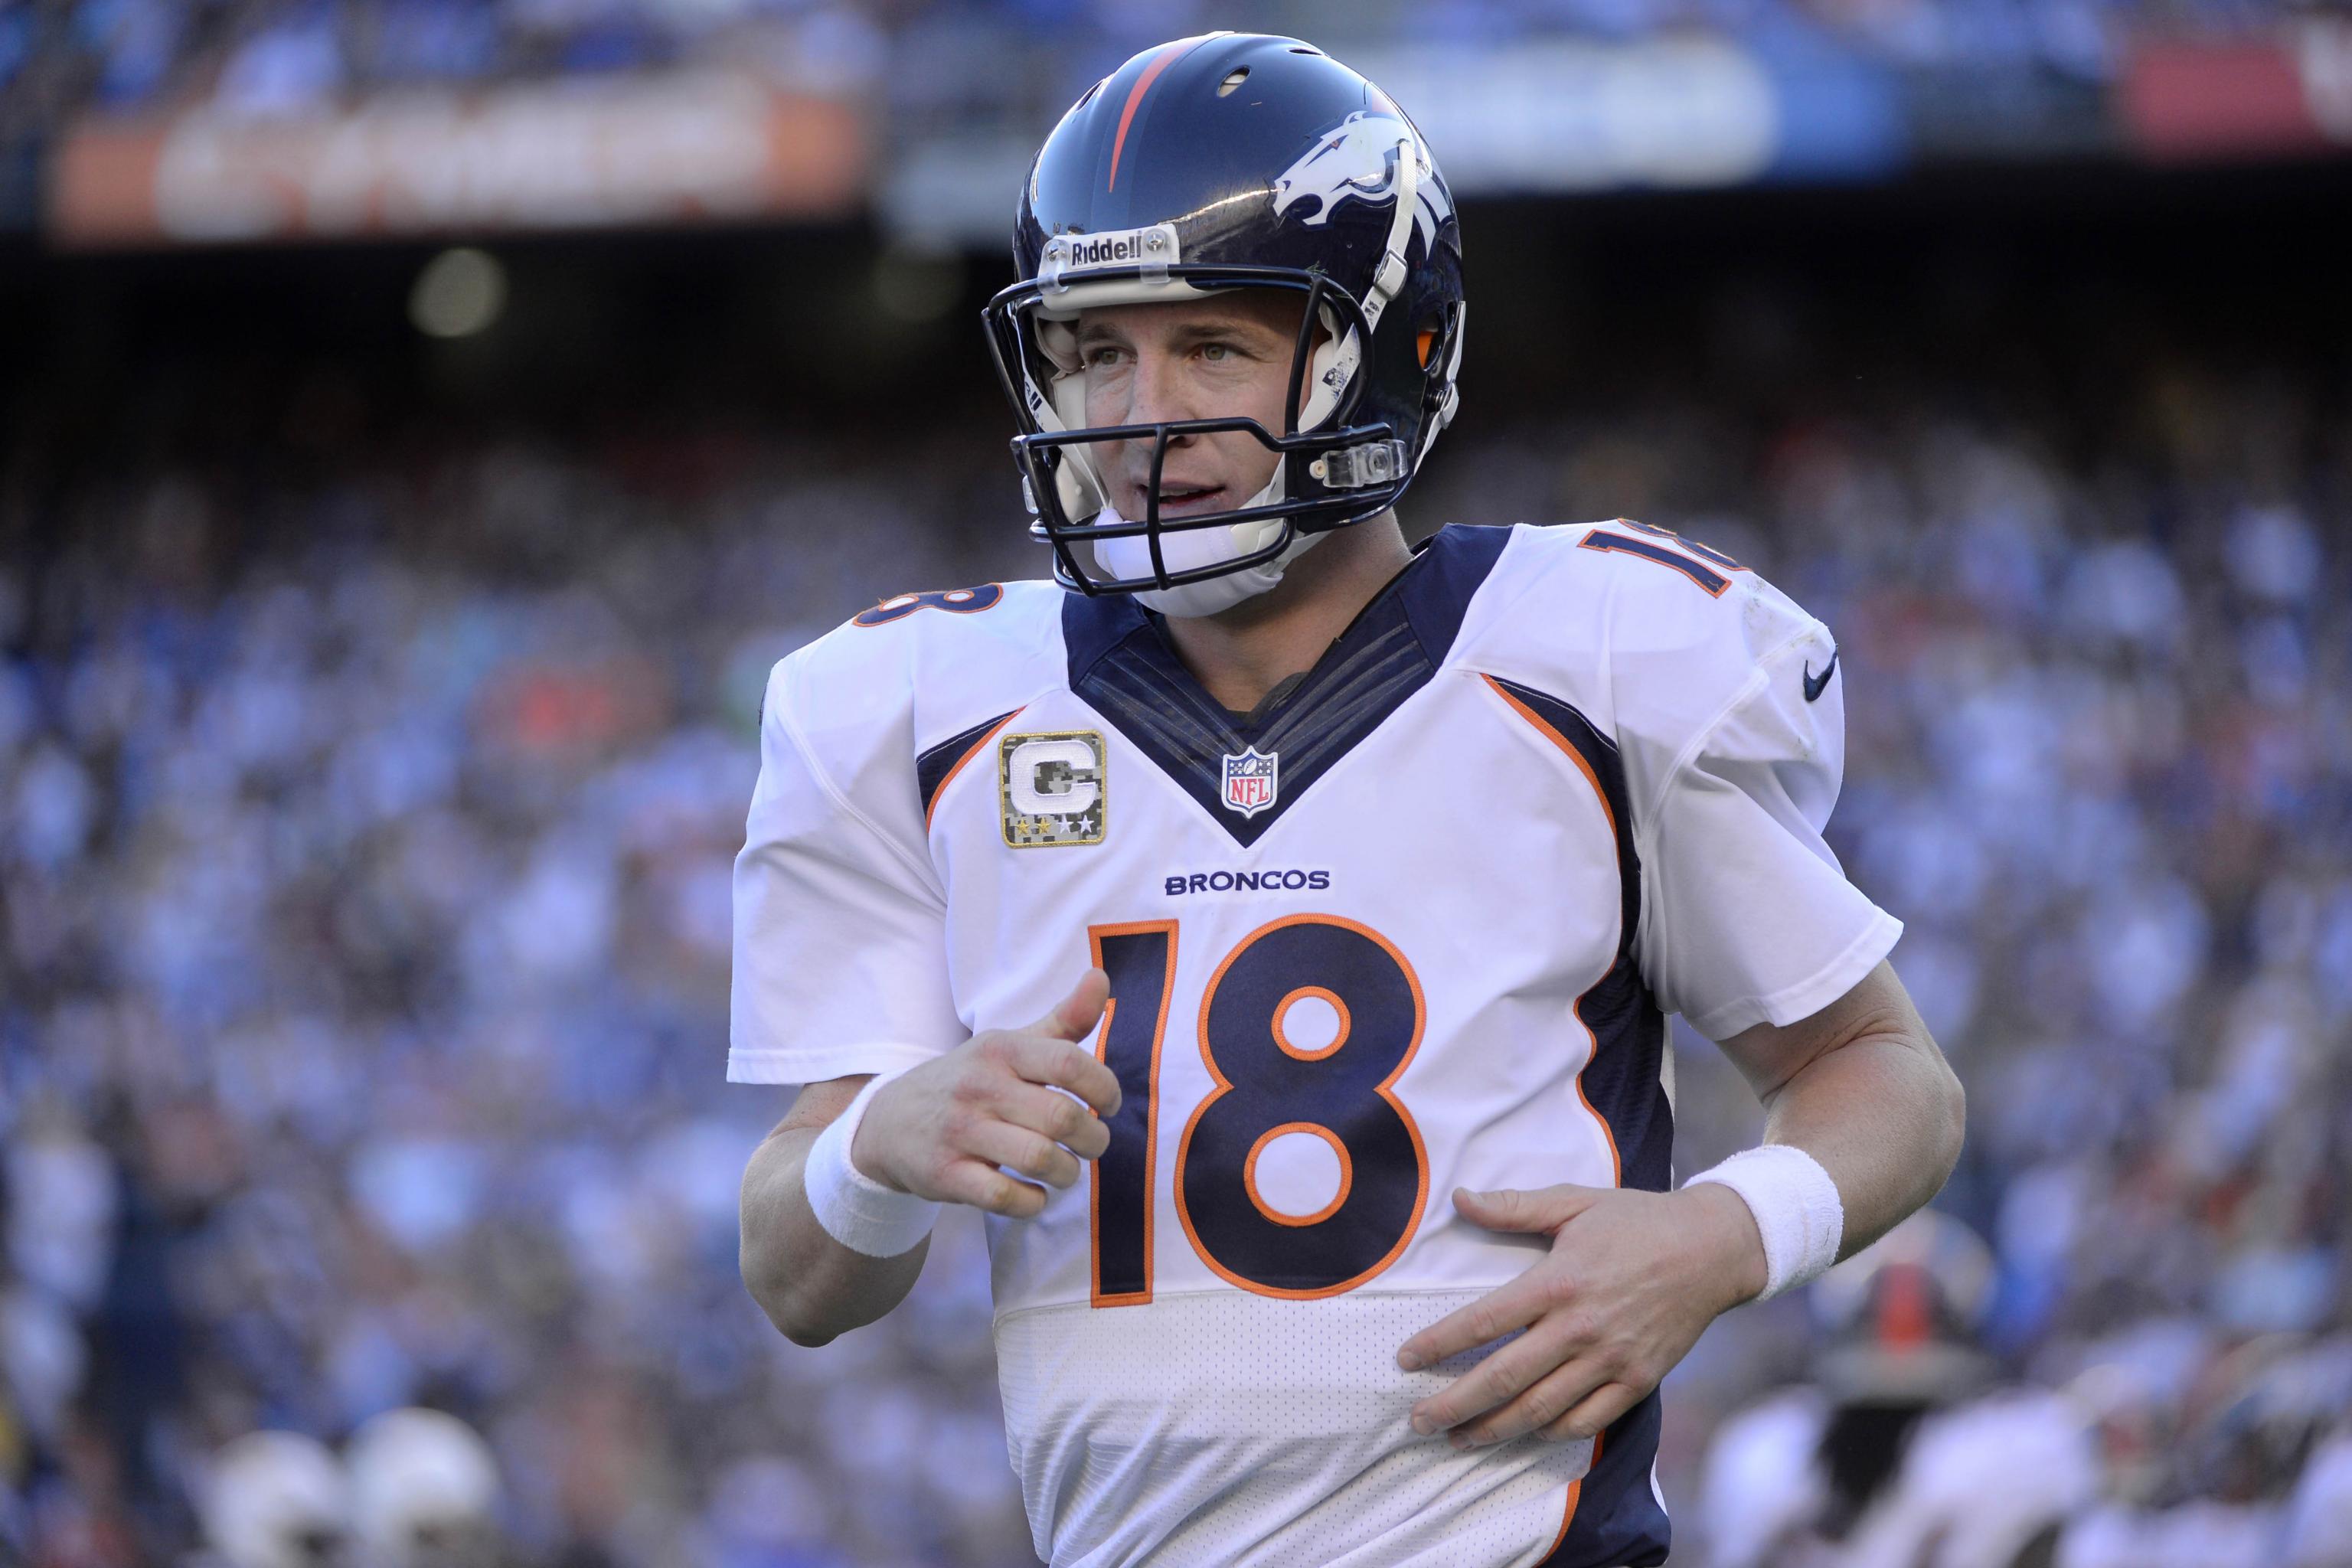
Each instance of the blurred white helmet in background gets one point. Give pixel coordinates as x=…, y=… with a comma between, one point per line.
x=275, y=1499
x=424, y=1489
x=1763, y=1486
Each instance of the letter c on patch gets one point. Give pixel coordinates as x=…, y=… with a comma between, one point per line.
x=1032, y=757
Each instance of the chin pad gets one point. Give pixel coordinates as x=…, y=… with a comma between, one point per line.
x=1129, y=555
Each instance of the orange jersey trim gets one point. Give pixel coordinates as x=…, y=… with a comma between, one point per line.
x=962, y=762
x=1543, y=727
x=1331, y=1140
x=1575, y=1495
x=1282, y=1040
x=1556, y=739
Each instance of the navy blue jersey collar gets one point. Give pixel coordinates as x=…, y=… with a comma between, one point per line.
x=1122, y=664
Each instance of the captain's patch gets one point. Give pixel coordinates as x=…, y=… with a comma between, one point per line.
x=1051, y=788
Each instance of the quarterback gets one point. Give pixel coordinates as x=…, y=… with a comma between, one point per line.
x=1271, y=927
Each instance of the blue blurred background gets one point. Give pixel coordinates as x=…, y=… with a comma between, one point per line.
x=422, y=422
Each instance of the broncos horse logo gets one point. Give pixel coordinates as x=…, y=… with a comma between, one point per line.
x=1357, y=161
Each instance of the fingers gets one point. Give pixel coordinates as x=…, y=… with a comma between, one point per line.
x=1561, y=1396
x=1490, y=1317
x=1074, y=1018
x=1048, y=1052
x=985, y=1187
x=1056, y=1061
x=1057, y=1116
x=1498, y=1380
x=1594, y=1414
x=1020, y=1152
x=998, y=1110
x=1511, y=1208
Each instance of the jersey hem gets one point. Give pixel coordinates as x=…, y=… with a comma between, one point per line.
x=1811, y=994
x=817, y=1066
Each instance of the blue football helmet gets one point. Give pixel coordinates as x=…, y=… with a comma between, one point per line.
x=1234, y=160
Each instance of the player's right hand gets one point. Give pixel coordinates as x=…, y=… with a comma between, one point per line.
x=964, y=1127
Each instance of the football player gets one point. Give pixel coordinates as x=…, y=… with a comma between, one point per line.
x=1271, y=927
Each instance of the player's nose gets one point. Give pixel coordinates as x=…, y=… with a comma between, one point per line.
x=1161, y=391
x=1155, y=403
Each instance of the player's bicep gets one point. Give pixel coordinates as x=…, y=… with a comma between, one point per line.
x=1770, y=1055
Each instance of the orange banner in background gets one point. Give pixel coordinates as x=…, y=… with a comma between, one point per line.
x=2287, y=96
x=679, y=148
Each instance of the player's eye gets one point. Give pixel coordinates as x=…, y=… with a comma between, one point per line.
x=1216, y=353
x=1101, y=354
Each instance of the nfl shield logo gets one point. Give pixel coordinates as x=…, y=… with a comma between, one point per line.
x=1250, y=780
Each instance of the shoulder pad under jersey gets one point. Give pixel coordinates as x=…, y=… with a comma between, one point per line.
x=868, y=697
x=1657, y=640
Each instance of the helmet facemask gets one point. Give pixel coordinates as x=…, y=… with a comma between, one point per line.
x=1033, y=329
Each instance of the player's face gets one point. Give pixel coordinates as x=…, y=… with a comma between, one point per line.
x=1198, y=359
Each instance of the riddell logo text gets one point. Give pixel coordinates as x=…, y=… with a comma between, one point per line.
x=1247, y=882
x=1107, y=250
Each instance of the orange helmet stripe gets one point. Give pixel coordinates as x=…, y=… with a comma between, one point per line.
x=1159, y=62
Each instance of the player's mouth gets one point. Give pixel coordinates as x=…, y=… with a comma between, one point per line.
x=1187, y=501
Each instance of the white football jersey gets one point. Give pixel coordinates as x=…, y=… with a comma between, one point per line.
x=1415, y=927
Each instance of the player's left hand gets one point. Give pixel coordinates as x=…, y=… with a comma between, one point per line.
x=1632, y=1280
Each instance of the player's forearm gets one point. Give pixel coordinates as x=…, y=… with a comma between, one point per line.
x=1884, y=1114
x=811, y=1286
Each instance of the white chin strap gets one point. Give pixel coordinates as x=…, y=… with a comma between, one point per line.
x=1190, y=548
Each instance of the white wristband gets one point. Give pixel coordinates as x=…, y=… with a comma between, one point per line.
x=1796, y=1206
x=855, y=1210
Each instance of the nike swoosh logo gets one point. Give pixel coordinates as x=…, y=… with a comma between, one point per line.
x=1817, y=684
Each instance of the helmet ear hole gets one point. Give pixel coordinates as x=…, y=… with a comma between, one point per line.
x=1433, y=338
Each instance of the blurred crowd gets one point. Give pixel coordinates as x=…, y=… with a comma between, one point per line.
x=270, y=56
x=364, y=1010
x=364, y=846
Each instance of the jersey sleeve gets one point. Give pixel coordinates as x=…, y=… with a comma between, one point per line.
x=1746, y=916
x=840, y=944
